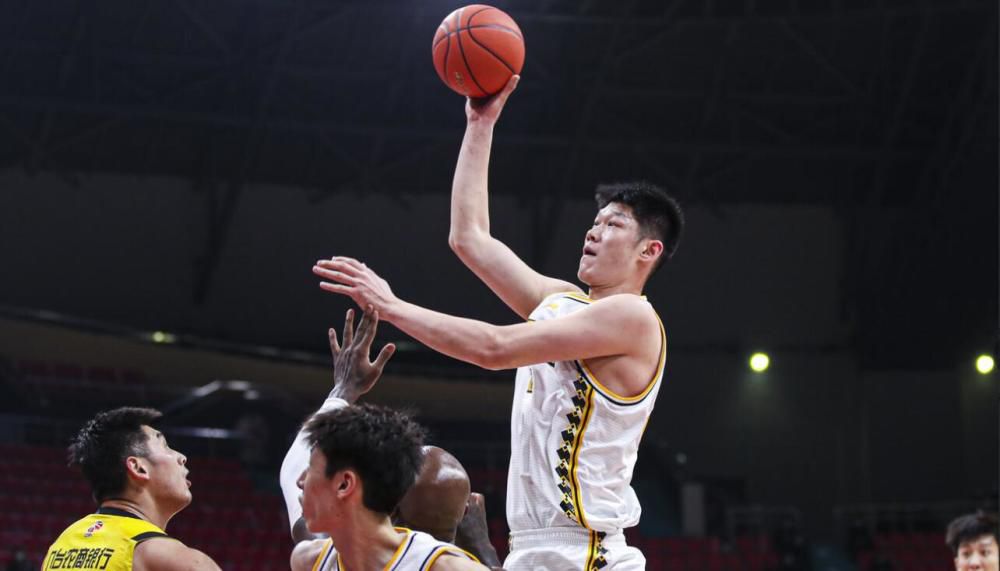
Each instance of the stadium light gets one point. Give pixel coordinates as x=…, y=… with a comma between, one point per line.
x=759, y=362
x=985, y=364
x=163, y=337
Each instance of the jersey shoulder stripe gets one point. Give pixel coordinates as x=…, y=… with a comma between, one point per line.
x=149, y=535
x=401, y=551
x=324, y=556
x=440, y=550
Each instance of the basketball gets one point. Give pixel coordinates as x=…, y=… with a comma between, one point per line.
x=476, y=49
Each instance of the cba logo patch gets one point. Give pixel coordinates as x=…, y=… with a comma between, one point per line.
x=94, y=528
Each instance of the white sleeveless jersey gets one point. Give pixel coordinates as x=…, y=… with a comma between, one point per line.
x=418, y=552
x=574, y=443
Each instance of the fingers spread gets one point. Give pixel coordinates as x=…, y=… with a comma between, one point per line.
x=364, y=331
x=348, y=327
x=334, y=344
x=370, y=323
x=337, y=288
x=343, y=264
x=334, y=275
x=383, y=356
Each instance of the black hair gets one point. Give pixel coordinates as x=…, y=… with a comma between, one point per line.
x=659, y=215
x=382, y=445
x=103, y=444
x=970, y=527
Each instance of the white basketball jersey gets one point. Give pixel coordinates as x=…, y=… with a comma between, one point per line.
x=574, y=443
x=418, y=552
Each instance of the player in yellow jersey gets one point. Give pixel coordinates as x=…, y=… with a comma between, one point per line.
x=139, y=483
x=589, y=366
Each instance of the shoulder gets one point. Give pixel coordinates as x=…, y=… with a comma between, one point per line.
x=453, y=560
x=168, y=554
x=626, y=306
x=305, y=554
x=557, y=286
x=442, y=555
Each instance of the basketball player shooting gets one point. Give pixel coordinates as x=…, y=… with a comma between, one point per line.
x=589, y=365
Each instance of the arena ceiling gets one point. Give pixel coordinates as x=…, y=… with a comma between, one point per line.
x=885, y=110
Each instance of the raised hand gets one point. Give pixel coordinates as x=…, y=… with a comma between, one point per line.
x=488, y=109
x=473, y=533
x=353, y=374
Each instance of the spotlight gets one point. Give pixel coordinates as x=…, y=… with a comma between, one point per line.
x=985, y=364
x=162, y=337
x=759, y=362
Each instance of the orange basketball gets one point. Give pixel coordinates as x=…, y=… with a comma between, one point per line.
x=476, y=49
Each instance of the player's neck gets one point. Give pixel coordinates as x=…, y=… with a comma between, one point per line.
x=144, y=510
x=368, y=542
x=602, y=291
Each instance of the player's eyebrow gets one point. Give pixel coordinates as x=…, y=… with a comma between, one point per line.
x=619, y=214
x=615, y=214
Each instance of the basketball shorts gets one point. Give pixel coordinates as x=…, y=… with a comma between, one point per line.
x=567, y=549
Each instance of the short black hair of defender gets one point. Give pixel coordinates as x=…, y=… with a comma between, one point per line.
x=659, y=215
x=382, y=445
x=103, y=444
x=970, y=527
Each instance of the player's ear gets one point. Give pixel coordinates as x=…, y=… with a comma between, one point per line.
x=136, y=467
x=346, y=483
x=652, y=250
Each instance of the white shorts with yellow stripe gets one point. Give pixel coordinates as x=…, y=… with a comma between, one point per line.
x=568, y=549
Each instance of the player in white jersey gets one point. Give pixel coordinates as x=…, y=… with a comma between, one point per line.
x=363, y=460
x=417, y=552
x=434, y=504
x=590, y=365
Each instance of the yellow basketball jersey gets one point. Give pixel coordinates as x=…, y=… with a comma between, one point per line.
x=104, y=540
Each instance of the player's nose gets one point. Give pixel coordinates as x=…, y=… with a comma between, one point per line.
x=301, y=482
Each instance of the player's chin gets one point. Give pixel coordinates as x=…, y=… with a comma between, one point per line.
x=310, y=523
x=184, y=499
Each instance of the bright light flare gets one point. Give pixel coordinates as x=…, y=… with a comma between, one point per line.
x=759, y=362
x=985, y=364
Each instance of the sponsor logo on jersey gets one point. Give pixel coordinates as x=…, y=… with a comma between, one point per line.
x=94, y=528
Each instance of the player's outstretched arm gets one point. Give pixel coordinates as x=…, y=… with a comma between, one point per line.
x=167, y=554
x=607, y=327
x=353, y=376
x=516, y=283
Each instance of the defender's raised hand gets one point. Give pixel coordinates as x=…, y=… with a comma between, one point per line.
x=473, y=533
x=353, y=374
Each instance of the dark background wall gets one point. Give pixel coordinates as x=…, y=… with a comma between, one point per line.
x=128, y=250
